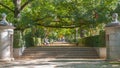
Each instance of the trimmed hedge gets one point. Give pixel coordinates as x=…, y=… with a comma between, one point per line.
x=94, y=41
x=29, y=41
x=18, y=41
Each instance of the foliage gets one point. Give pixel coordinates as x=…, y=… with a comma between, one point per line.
x=94, y=41
x=60, y=12
x=85, y=14
x=34, y=36
x=18, y=39
x=29, y=39
x=57, y=33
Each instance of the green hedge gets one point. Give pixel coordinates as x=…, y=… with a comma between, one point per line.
x=18, y=42
x=37, y=41
x=26, y=39
x=94, y=41
x=29, y=41
x=22, y=40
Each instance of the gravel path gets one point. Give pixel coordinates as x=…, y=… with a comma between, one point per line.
x=58, y=63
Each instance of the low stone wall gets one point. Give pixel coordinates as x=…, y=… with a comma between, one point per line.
x=102, y=52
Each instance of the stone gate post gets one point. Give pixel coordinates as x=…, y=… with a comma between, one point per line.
x=6, y=42
x=113, y=39
x=6, y=39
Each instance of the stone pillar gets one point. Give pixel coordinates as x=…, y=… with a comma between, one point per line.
x=113, y=42
x=6, y=43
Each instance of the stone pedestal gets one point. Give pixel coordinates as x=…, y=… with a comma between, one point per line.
x=6, y=43
x=113, y=42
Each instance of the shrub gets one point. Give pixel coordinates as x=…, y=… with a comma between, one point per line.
x=17, y=43
x=29, y=40
x=94, y=41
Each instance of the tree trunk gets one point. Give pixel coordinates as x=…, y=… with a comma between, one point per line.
x=17, y=4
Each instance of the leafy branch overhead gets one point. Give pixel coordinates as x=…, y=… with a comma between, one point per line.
x=17, y=6
x=59, y=13
x=5, y=6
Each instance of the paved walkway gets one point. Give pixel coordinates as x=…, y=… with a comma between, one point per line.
x=58, y=63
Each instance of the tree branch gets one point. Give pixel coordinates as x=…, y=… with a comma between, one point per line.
x=57, y=26
x=25, y=4
x=5, y=6
x=39, y=19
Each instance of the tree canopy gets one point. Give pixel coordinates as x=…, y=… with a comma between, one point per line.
x=58, y=13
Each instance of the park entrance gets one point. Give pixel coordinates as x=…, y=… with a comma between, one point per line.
x=61, y=43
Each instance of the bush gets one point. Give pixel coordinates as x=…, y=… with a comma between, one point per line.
x=102, y=39
x=37, y=41
x=29, y=40
x=94, y=41
x=17, y=43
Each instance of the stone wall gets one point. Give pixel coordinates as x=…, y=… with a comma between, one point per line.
x=113, y=42
x=101, y=51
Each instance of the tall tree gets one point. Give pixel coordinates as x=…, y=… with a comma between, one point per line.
x=58, y=13
x=16, y=7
